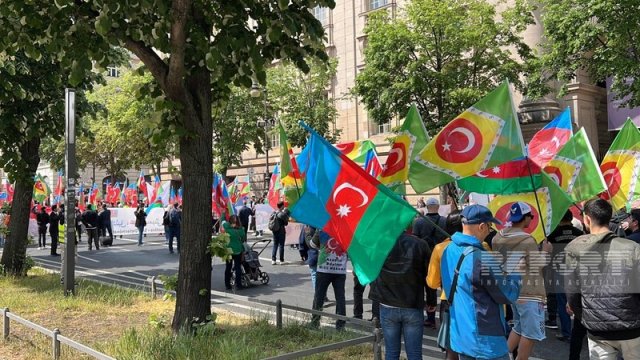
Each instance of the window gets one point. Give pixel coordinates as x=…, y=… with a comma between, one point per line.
x=113, y=72
x=322, y=14
x=274, y=140
x=375, y=4
x=384, y=128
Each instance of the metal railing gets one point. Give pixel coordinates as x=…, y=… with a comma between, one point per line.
x=375, y=337
x=54, y=334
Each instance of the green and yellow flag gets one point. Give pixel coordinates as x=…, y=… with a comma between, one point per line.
x=290, y=176
x=621, y=167
x=41, y=189
x=575, y=169
x=484, y=136
x=406, y=146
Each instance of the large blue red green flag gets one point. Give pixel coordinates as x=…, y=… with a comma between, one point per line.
x=484, y=136
x=550, y=139
x=59, y=190
x=339, y=197
x=621, y=167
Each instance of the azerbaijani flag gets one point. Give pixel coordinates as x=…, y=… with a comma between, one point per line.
x=275, y=187
x=131, y=195
x=621, y=167
x=81, y=201
x=484, y=136
x=179, y=196
x=142, y=184
x=340, y=198
x=576, y=170
x=407, y=144
x=508, y=178
x=550, y=139
x=553, y=201
x=57, y=199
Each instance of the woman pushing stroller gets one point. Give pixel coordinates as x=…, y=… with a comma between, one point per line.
x=237, y=238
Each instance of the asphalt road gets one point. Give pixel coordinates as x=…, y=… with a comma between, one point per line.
x=127, y=264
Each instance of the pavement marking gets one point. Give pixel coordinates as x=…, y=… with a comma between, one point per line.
x=86, y=258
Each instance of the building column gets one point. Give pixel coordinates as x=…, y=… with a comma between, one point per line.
x=585, y=99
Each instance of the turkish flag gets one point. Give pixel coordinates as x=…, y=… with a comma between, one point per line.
x=349, y=200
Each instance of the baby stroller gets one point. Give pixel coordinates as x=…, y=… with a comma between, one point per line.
x=251, y=266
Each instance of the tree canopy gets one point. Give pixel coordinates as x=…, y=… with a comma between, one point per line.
x=600, y=37
x=442, y=55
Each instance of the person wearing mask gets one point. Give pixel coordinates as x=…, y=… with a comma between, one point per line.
x=141, y=222
x=477, y=288
x=603, y=282
x=55, y=219
x=175, y=222
x=42, y=219
x=237, y=237
x=400, y=289
x=90, y=221
x=563, y=234
x=528, y=311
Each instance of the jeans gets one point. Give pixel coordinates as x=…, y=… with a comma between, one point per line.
x=323, y=280
x=237, y=267
x=406, y=323
x=578, y=332
x=314, y=271
x=465, y=357
x=166, y=234
x=140, y=233
x=278, y=242
x=174, y=232
x=358, y=303
x=565, y=320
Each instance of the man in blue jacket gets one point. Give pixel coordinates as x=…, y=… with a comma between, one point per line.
x=483, y=283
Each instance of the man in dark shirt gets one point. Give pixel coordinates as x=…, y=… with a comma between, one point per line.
x=55, y=219
x=105, y=222
x=564, y=233
x=634, y=225
x=426, y=230
x=243, y=214
x=42, y=219
x=90, y=221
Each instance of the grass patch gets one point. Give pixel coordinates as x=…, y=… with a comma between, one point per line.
x=128, y=324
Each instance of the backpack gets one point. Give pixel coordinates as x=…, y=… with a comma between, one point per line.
x=174, y=218
x=274, y=222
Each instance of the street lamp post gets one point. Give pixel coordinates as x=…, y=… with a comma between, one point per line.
x=264, y=123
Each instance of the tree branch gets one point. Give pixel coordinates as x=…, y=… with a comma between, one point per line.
x=151, y=59
x=175, y=79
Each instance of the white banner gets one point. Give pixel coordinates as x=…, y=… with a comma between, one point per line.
x=263, y=212
x=123, y=222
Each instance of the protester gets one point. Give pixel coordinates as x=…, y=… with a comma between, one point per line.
x=564, y=233
x=3, y=226
x=238, y=237
x=278, y=221
x=528, y=311
x=332, y=270
x=311, y=238
x=90, y=221
x=634, y=226
x=400, y=290
x=430, y=228
x=605, y=284
x=244, y=214
x=141, y=222
x=78, y=223
x=165, y=223
x=100, y=211
x=105, y=221
x=476, y=289
x=252, y=206
x=42, y=219
x=358, y=303
x=55, y=219
x=434, y=281
x=175, y=222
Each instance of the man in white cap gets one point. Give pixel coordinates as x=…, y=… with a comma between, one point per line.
x=528, y=311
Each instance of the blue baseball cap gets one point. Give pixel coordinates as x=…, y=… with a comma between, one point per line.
x=478, y=214
x=518, y=211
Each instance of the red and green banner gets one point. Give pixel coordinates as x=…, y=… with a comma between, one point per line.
x=364, y=216
x=484, y=136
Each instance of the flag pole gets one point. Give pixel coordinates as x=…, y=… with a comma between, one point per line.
x=535, y=194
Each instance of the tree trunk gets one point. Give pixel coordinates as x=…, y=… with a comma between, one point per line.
x=15, y=251
x=193, y=292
